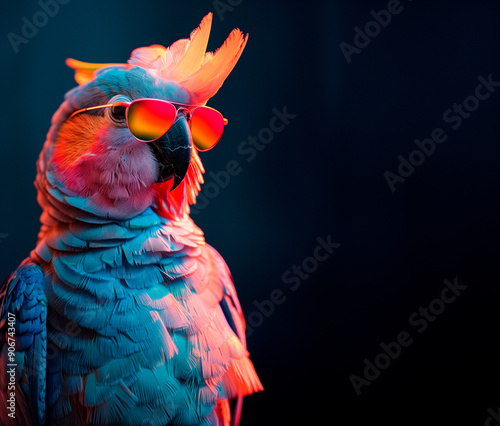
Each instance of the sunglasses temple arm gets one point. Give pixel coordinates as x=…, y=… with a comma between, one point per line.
x=124, y=104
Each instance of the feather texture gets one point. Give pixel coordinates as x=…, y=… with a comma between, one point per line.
x=185, y=62
x=152, y=307
x=23, y=319
x=191, y=58
x=123, y=312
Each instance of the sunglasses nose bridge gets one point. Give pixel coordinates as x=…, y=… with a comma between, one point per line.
x=184, y=111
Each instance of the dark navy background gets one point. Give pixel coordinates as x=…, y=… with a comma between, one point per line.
x=322, y=177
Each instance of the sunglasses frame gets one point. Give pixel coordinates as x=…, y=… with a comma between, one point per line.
x=178, y=107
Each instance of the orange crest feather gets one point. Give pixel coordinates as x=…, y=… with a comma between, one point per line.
x=186, y=62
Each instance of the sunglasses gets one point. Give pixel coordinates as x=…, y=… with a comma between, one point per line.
x=149, y=119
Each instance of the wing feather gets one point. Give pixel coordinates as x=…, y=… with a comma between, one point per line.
x=23, y=317
x=241, y=378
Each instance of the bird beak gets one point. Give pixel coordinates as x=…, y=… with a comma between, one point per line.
x=173, y=152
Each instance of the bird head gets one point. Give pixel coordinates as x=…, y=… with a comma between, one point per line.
x=91, y=153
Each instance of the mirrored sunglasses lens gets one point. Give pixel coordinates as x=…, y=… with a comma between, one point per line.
x=207, y=126
x=150, y=119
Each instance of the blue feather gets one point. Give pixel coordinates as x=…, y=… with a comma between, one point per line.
x=22, y=295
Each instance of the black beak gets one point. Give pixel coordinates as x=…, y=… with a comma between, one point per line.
x=173, y=152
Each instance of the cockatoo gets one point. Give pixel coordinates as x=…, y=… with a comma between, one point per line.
x=122, y=314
